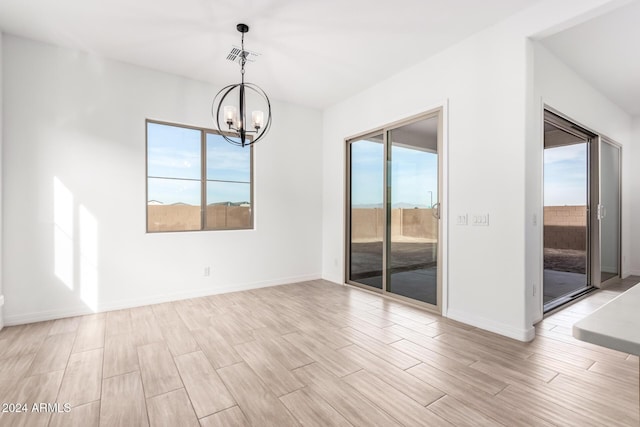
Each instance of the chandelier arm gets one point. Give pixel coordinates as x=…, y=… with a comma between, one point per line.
x=243, y=114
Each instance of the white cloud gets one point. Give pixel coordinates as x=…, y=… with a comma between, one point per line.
x=567, y=153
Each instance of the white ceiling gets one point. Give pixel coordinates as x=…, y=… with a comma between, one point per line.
x=313, y=52
x=605, y=52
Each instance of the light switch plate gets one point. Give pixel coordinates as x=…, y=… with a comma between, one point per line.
x=462, y=219
x=481, y=220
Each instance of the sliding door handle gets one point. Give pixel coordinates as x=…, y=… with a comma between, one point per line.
x=435, y=210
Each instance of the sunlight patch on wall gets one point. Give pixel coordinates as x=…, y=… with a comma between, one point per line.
x=88, y=240
x=63, y=232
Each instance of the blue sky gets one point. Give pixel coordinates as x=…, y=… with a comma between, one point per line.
x=174, y=152
x=413, y=174
x=565, y=175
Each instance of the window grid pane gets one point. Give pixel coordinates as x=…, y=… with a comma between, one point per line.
x=227, y=162
x=173, y=151
x=228, y=205
x=173, y=204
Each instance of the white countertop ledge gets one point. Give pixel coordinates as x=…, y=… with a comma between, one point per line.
x=615, y=325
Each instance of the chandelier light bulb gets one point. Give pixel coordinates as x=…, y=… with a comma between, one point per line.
x=230, y=114
x=257, y=117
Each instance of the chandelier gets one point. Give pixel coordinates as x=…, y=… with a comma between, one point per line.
x=229, y=107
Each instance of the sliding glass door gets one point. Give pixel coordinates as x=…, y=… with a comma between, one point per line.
x=367, y=215
x=609, y=211
x=393, y=216
x=582, y=222
x=412, y=264
x=566, y=219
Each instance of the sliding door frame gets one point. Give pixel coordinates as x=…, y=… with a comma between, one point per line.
x=438, y=113
x=566, y=125
x=595, y=140
x=347, y=210
x=604, y=140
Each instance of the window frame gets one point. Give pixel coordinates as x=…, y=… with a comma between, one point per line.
x=203, y=179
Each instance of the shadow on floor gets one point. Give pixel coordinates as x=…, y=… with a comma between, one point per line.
x=561, y=283
x=420, y=284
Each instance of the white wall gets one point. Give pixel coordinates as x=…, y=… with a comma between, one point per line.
x=561, y=88
x=80, y=119
x=1, y=194
x=634, y=194
x=487, y=81
x=483, y=80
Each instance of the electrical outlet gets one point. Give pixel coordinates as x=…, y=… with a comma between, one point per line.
x=207, y=271
x=535, y=289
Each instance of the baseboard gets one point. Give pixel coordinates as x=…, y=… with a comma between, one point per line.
x=156, y=299
x=524, y=335
x=632, y=273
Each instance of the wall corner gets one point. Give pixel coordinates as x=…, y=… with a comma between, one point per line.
x=1, y=187
x=1, y=315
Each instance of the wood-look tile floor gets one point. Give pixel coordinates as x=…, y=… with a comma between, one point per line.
x=312, y=354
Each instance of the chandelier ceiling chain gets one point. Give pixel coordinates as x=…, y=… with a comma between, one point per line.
x=243, y=57
x=225, y=110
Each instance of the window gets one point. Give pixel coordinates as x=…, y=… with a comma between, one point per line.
x=196, y=180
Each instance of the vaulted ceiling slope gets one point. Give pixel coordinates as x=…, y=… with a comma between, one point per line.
x=604, y=51
x=312, y=52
